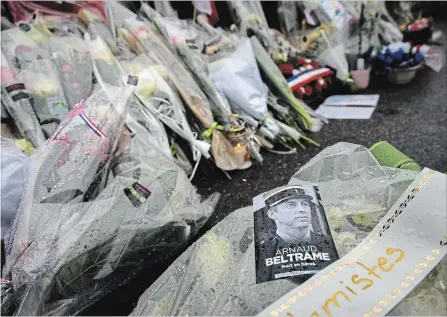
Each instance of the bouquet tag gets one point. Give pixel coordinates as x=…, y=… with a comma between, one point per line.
x=335, y=11
x=57, y=106
x=384, y=268
x=292, y=236
x=17, y=91
x=137, y=194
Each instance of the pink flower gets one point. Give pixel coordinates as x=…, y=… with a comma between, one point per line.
x=66, y=68
x=77, y=109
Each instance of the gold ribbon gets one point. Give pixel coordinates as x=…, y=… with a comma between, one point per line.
x=207, y=133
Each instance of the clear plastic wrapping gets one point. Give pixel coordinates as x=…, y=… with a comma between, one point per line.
x=105, y=65
x=368, y=31
x=277, y=80
x=41, y=80
x=222, y=109
x=11, y=40
x=4, y=112
x=166, y=106
x=238, y=77
x=216, y=275
x=18, y=103
x=165, y=8
x=158, y=98
x=100, y=206
x=250, y=17
x=14, y=171
x=144, y=40
x=98, y=26
x=108, y=70
x=145, y=126
x=185, y=39
x=74, y=65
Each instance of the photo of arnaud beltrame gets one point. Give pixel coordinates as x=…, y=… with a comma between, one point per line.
x=292, y=236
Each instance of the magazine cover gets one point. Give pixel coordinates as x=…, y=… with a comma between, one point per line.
x=292, y=236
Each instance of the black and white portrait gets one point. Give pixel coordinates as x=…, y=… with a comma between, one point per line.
x=291, y=209
x=292, y=236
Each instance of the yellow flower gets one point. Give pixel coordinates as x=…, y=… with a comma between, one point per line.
x=335, y=218
x=364, y=220
x=45, y=86
x=146, y=88
x=25, y=146
x=161, y=70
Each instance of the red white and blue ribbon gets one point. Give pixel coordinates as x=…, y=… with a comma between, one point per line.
x=307, y=76
x=92, y=126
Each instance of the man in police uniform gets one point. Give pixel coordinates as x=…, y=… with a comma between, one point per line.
x=292, y=210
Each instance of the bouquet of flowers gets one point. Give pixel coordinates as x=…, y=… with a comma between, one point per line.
x=17, y=102
x=41, y=79
x=143, y=40
x=74, y=64
x=185, y=39
x=250, y=17
x=108, y=70
x=105, y=64
x=97, y=25
x=15, y=41
x=276, y=80
x=159, y=99
x=146, y=127
x=100, y=205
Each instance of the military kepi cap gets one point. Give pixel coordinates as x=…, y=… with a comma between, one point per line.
x=285, y=194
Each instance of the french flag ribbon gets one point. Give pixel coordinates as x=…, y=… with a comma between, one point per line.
x=307, y=76
x=92, y=126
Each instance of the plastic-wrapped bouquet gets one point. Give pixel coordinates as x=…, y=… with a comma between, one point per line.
x=100, y=205
x=219, y=268
x=159, y=99
x=278, y=82
x=17, y=102
x=74, y=64
x=143, y=40
x=190, y=41
x=41, y=79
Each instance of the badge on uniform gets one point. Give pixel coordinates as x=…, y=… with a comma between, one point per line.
x=292, y=236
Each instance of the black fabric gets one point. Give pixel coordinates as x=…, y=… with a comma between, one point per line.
x=271, y=13
x=185, y=9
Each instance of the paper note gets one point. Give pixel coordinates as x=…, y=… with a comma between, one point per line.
x=352, y=100
x=339, y=112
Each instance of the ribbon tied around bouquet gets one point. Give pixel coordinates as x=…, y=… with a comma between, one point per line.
x=208, y=132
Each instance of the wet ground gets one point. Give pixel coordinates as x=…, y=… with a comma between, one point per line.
x=412, y=117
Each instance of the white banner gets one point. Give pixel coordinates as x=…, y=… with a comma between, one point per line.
x=383, y=269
